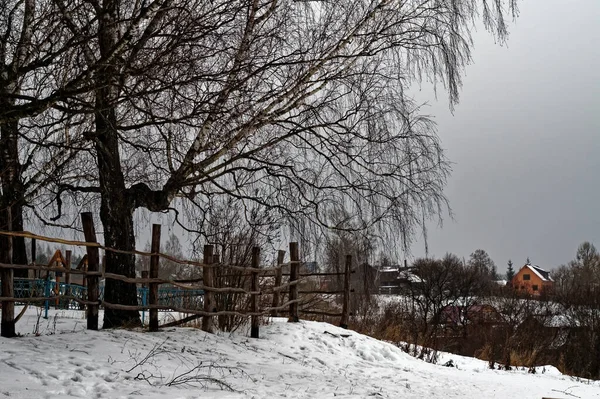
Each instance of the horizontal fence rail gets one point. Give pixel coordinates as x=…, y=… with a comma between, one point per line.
x=290, y=292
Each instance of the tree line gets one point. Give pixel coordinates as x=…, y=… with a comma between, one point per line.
x=456, y=306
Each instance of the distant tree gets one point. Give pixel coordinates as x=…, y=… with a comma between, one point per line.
x=577, y=289
x=43, y=254
x=510, y=272
x=142, y=263
x=588, y=259
x=167, y=269
x=482, y=262
x=171, y=269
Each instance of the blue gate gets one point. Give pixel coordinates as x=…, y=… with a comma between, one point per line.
x=171, y=297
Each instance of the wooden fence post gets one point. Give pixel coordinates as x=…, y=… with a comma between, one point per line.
x=278, y=273
x=7, y=326
x=346, y=300
x=207, y=277
x=153, y=292
x=68, y=277
x=36, y=274
x=93, y=263
x=294, y=266
x=254, y=320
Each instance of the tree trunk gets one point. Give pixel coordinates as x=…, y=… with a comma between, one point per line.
x=13, y=191
x=116, y=208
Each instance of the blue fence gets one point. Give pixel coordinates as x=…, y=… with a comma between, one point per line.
x=171, y=297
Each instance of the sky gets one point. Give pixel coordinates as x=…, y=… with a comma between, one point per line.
x=525, y=141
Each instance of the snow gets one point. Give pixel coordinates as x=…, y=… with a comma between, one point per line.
x=290, y=360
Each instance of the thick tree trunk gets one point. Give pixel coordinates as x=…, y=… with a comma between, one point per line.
x=116, y=214
x=13, y=191
x=116, y=208
x=117, y=219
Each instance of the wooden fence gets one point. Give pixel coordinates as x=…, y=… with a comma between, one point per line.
x=91, y=272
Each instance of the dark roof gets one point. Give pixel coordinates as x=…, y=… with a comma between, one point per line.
x=543, y=274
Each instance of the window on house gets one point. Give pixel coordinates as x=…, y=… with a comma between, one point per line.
x=526, y=277
x=535, y=287
x=522, y=287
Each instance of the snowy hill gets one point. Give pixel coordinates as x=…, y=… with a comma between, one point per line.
x=302, y=360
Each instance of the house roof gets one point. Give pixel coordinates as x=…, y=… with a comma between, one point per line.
x=541, y=273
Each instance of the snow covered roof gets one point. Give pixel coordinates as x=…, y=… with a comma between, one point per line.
x=541, y=273
x=388, y=269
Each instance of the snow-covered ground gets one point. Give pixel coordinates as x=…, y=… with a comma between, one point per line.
x=299, y=360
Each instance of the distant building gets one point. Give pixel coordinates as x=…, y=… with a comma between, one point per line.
x=395, y=279
x=532, y=280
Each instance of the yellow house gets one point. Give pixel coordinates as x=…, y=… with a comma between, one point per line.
x=532, y=280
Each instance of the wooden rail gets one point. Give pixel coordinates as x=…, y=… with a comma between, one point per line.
x=90, y=270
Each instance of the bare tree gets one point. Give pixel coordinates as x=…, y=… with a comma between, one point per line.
x=481, y=261
x=300, y=107
x=577, y=289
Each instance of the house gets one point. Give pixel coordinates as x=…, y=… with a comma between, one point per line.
x=394, y=279
x=532, y=280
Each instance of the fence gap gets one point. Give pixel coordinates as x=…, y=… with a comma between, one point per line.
x=254, y=319
x=346, y=299
x=145, y=275
x=208, y=281
x=93, y=263
x=294, y=266
x=154, y=261
x=278, y=273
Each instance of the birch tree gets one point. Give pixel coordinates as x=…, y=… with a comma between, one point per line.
x=301, y=107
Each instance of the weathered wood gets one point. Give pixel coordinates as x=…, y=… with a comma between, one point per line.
x=346, y=303
x=182, y=321
x=34, y=257
x=93, y=264
x=254, y=320
x=189, y=311
x=153, y=287
x=48, y=268
x=209, y=300
x=278, y=276
x=68, y=267
x=294, y=266
x=7, y=325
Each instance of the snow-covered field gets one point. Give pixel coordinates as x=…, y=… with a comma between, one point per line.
x=301, y=360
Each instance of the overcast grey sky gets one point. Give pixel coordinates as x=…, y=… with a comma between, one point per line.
x=525, y=140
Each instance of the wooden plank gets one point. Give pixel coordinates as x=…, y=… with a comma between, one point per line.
x=153, y=287
x=254, y=320
x=93, y=264
x=68, y=267
x=34, y=257
x=7, y=325
x=294, y=266
x=346, y=303
x=207, y=275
